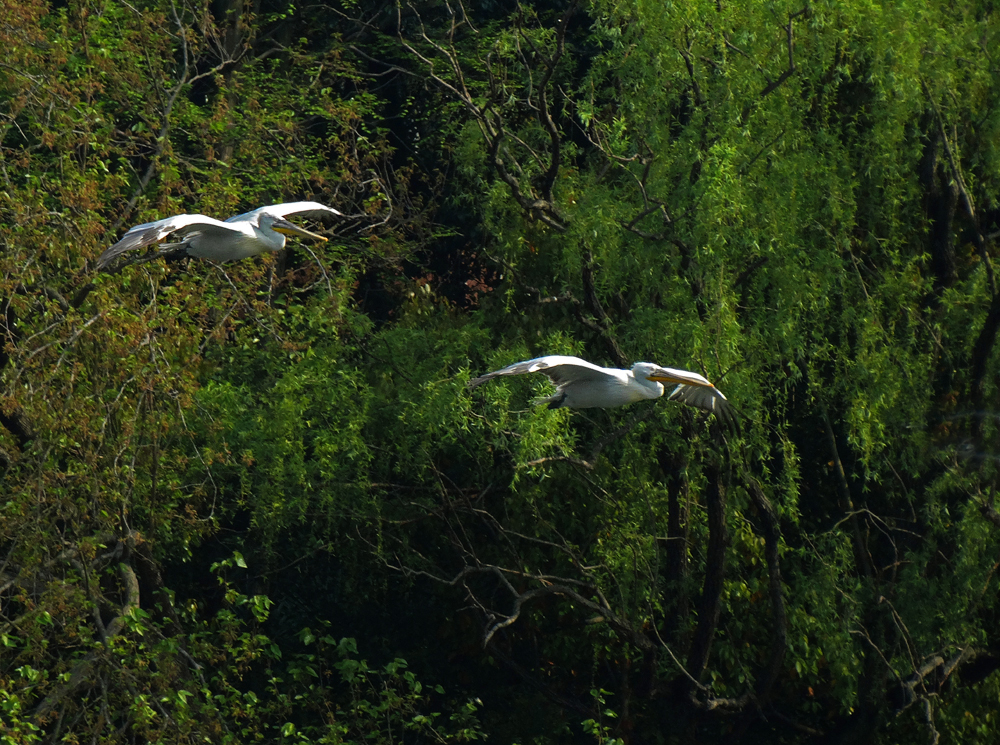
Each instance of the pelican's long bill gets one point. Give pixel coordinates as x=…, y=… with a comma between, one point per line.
x=288, y=228
x=678, y=377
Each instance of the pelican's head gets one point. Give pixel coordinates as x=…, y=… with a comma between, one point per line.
x=281, y=225
x=645, y=371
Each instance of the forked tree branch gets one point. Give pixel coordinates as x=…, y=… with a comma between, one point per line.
x=790, y=70
x=970, y=210
x=81, y=672
x=538, y=206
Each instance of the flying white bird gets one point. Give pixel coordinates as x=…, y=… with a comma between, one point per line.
x=581, y=385
x=249, y=234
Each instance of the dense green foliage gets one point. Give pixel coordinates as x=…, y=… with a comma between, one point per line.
x=237, y=497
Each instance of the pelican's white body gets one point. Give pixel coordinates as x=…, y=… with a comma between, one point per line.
x=249, y=241
x=208, y=238
x=593, y=387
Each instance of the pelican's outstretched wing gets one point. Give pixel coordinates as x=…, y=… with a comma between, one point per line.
x=313, y=210
x=147, y=234
x=696, y=390
x=558, y=368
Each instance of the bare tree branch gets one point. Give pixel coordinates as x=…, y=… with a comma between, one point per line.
x=594, y=304
x=790, y=70
x=846, y=504
x=491, y=122
x=715, y=570
x=82, y=670
x=956, y=169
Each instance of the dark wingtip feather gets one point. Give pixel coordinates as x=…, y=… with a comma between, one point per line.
x=138, y=237
x=710, y=400
x=478, y=381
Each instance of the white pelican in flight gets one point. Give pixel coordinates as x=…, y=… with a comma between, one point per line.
x=249, y=234
x=581, y=385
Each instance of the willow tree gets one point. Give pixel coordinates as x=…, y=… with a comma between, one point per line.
x=798, y=200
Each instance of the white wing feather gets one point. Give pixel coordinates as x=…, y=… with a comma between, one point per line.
x=149, y=233
x=557, y=368
x=313, y=210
